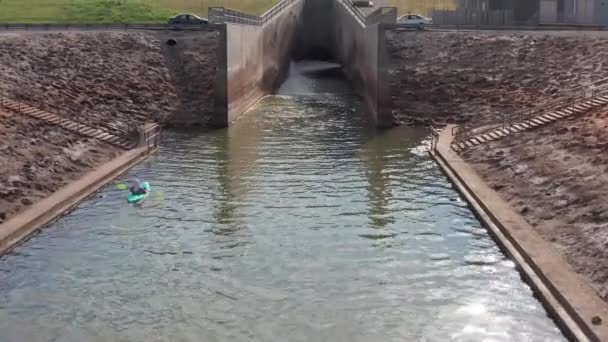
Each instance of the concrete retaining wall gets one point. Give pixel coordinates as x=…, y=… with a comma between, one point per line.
x=361, y=49
x=244, y=68
x=47, y=210
x=356, y=49
x=197, y=74
x=577, y=309
x=257, y=58
x=278, y=43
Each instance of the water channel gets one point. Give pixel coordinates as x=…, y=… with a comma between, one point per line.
x=300, y=223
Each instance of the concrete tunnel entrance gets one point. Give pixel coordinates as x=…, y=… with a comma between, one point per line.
x=259, y=51
x=314, y=37
x=314, y=66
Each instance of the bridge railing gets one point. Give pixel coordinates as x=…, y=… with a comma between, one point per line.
x=380, y=15
x=508, y=120
x=220, y=15
x=276, y=9
x=355, y=11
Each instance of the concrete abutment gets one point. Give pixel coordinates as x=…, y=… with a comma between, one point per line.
x=255, y=53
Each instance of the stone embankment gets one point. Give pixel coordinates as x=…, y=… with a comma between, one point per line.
x=465, y=76
x=110, y=80
x=555, y=175
x=37, y=159
x=113, y=77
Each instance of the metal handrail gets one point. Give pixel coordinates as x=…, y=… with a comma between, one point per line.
x=276, y=9
x=360, y=16
x=124, y=122
x=222, y=15
x=81, y=121
x=435, y=132
x=580, y=94
x=152, y=138
x=381, y=14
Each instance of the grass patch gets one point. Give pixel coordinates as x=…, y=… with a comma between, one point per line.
x=155, y=11
x=115, y=11
x=200, y=6
x=31, y=11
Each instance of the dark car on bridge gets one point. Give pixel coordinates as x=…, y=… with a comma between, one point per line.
x=363, y=3
x=188, y=19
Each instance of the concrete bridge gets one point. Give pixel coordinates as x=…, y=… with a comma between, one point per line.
x=255, y=51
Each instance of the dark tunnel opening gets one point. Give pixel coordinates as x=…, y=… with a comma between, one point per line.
x=315, y=52
x=314, y=66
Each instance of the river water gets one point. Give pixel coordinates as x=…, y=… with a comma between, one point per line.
x=299, y=223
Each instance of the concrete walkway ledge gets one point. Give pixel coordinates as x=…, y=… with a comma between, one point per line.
x=569, y=299
x=21, y=226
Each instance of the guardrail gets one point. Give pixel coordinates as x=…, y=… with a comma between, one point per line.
x=360, y=16
x=276, y=9
x=584, y=93
x=50, y=27
x=386, y=15
x=504, y=27
x=221, y=15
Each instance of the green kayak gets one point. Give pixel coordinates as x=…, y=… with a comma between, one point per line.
x=132, y=198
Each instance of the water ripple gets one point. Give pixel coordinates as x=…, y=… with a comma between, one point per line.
x=300, y=221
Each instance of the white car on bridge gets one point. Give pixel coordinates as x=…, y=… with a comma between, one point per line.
x=414, y=20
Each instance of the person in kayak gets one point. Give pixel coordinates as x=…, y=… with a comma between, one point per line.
x=137, y=189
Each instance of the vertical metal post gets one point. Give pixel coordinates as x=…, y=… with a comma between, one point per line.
x=147, y=138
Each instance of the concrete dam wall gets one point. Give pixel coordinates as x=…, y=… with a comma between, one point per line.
x=257, y=56
x=360, y=46
x=258, y=51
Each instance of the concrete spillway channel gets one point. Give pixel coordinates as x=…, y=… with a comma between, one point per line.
x=298, y=222
x=258, y=51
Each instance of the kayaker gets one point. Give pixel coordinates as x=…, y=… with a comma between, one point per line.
x=137, y=189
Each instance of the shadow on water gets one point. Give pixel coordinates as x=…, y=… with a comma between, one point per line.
x=382, y=146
